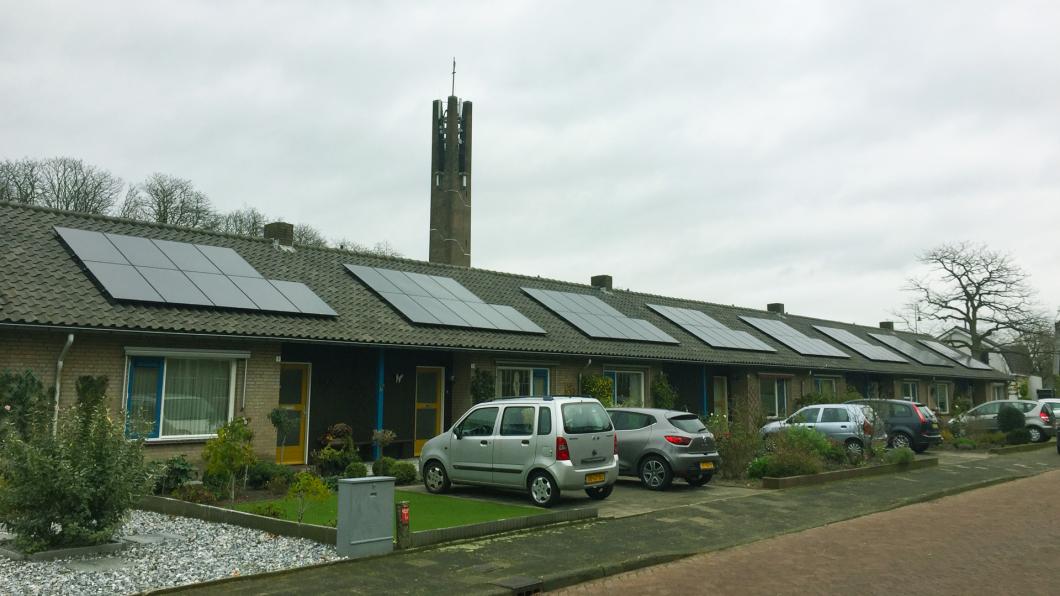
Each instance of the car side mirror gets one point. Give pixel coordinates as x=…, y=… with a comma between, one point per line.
x=456, y=433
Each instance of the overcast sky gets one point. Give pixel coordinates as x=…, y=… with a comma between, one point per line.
x=733, y=152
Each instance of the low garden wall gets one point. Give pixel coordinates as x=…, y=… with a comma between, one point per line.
x=809, y=479
x=1021, y=448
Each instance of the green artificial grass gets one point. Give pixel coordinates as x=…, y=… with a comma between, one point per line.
x=426, y=512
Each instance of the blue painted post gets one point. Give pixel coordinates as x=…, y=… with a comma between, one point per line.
x=706, y=401
x=381, y=382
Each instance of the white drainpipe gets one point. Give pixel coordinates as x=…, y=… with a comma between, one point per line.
x=59, y=380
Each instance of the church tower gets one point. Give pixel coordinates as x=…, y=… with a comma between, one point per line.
x=450, y=240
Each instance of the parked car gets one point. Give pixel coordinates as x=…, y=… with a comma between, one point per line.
x=908, y=424
x=983, y=418
x=543, y=445
x=853, y=425
x=658, y=445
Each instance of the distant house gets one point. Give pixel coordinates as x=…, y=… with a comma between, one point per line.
x=1009, y=360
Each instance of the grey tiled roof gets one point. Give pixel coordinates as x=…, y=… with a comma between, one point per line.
x=41, y=283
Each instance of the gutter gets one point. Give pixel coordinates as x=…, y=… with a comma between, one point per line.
x=59, y=380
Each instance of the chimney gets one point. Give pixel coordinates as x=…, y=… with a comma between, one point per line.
x=601, y=281
x=888, y=325
x=280, y=232
x=777, y=307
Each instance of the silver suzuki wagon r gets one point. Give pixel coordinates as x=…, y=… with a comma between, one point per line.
x=543, y=445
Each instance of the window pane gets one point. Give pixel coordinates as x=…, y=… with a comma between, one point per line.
x=196, y=396
x=807, y=415
x=689, y=423
x=426, y=423
x=143, y=399
x=629, y=389
x=514, y=382
x=768, y=392
x=585, y=418
x=291, y=434
x=835, y=415
x=518, y=421
x=291, y=385
x=427, y=387
x=544, y=421
x=540, y=381
x=479, y=423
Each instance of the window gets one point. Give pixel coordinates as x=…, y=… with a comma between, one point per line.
x=941, y=393
x=900, y=411
x=627, y=387
x=835, y=415
x=585, y=417
x=806, y=416
x=631, y=420
x=774, y=395
x=910, y=390
x=544, y=421
x=999, y=391
x=478, y=423
x=688, y=423
x=824, y=386
x=518, y=382
x=987, y=410
x=518, y=421
x=170, y=397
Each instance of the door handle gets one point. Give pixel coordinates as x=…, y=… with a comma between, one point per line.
x=526, y=441
x=483, y=442
x=842, y=426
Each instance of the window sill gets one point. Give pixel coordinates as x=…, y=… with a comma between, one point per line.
x=179, y=440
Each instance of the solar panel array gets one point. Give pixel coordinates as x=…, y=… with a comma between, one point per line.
x=870, y=351
x=913, y=351
x=596, y=319
x=434, y=300
x=711, y=331
x=149, y=270
x=791, y=337
x=960, y=357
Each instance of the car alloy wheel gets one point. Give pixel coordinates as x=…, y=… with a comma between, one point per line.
x=435, y=478
x=854, y=448
x=1036, y=434
x=900, y=440
x=543, y=491
x=655, y=474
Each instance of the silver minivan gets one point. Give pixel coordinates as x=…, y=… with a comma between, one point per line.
x=854, y=426
x=543, y=445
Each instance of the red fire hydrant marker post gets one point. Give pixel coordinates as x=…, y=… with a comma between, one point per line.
x=404, y=538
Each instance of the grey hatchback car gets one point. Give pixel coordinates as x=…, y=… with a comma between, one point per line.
x=657, y=445
x=983, y=418
x=543, y=445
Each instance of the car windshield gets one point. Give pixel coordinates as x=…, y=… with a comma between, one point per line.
x=585, y=417
x=688, y=423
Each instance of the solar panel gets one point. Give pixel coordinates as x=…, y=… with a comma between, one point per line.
x=596, y=318
x=870, y=351
x=167, y=272
x=793, y=338
x=711, y=331
x=433, y=300
x=961, y=358
x=915, y=352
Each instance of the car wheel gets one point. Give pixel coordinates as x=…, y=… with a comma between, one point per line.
x=1036, y=434
x=699, y=480
x=655, y=474
x=435, y=479
x=543, y=490
x=855, y=448
x=599, y=493
x=900, y=440
x=920, y=449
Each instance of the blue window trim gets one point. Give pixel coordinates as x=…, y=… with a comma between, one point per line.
x=145, y=362
x=613, y=375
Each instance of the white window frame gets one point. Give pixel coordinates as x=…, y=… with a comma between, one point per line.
x=777, y=380
x=527, y=369
x=614, y=388
x=943, y=387
x=818, y=381
x=994, y=391
x=233, y=358
x=916, y=390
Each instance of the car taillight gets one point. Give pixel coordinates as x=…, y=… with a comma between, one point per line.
x=1044, y=415
x=562, y=452
x=867, y=428
x=676, y=440
x=616, y=443
x=919, y=414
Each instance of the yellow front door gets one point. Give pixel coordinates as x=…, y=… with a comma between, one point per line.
x=294, y=393
x=430, y=386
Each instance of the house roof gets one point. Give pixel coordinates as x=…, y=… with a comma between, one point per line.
x=42, y=283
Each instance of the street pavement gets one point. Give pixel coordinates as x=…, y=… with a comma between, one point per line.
x=564, y=555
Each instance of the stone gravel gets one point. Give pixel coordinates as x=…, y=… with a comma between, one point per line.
x=192, y=551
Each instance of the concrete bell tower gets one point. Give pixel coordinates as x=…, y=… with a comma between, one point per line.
x=450, y=239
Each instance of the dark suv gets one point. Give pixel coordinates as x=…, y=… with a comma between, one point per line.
x=909, y=424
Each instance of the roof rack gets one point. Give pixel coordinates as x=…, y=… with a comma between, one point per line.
x=541, y=397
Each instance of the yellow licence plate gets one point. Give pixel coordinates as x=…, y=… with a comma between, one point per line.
x=706, y=465
x=595, y=478
x=934, y=425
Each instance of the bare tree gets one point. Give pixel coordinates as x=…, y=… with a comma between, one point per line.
x=382, y=249
x=247, y=221
x=976, y=288
x=169, y=200
x=73, y=185
x=307, y=235
x=20, y=181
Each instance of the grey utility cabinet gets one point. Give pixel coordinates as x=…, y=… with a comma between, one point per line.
x=366, y=516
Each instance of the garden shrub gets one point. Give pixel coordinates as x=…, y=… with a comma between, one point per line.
x=758, y=466
x=964, y=443
x=279, y=485
x=307, y=487
x=599, y=387
x=266, y=509
x=902, y=455
x=382, y=438
x=716, y=423
x=812, y=399
x=356, y=469
x=75, y=488
x=195, y=493
x=1010, y=418
x=988, y=439
x=171, y=474
x=229, y=453
x=797, y=451
x=332, y=462
x=23, y=405
x=483, y=386
x=960, y=406
x=806, y=439
x=331, y=482
x=262, y=471
x=740, y=443
x=91, y=391
x=382, y=466
x=663, y=394
x=403, y=472
x=947, y=435
x=338, y=436
x=1018, y=436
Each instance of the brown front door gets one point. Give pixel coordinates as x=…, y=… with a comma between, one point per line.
x=294, y=397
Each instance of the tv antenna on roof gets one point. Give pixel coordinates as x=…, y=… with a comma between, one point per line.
x=454, y=77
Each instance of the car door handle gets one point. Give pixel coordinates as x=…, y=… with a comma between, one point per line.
x=483, y=442
x=842, y=426
x=526, y=441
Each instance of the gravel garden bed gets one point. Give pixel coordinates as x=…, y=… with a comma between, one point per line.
x=165, y=551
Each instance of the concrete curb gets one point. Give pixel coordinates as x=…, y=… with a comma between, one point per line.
x=281, y=527
x=65, y=553
x=429, y=537
x=1020, y=448
x=811, y=479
